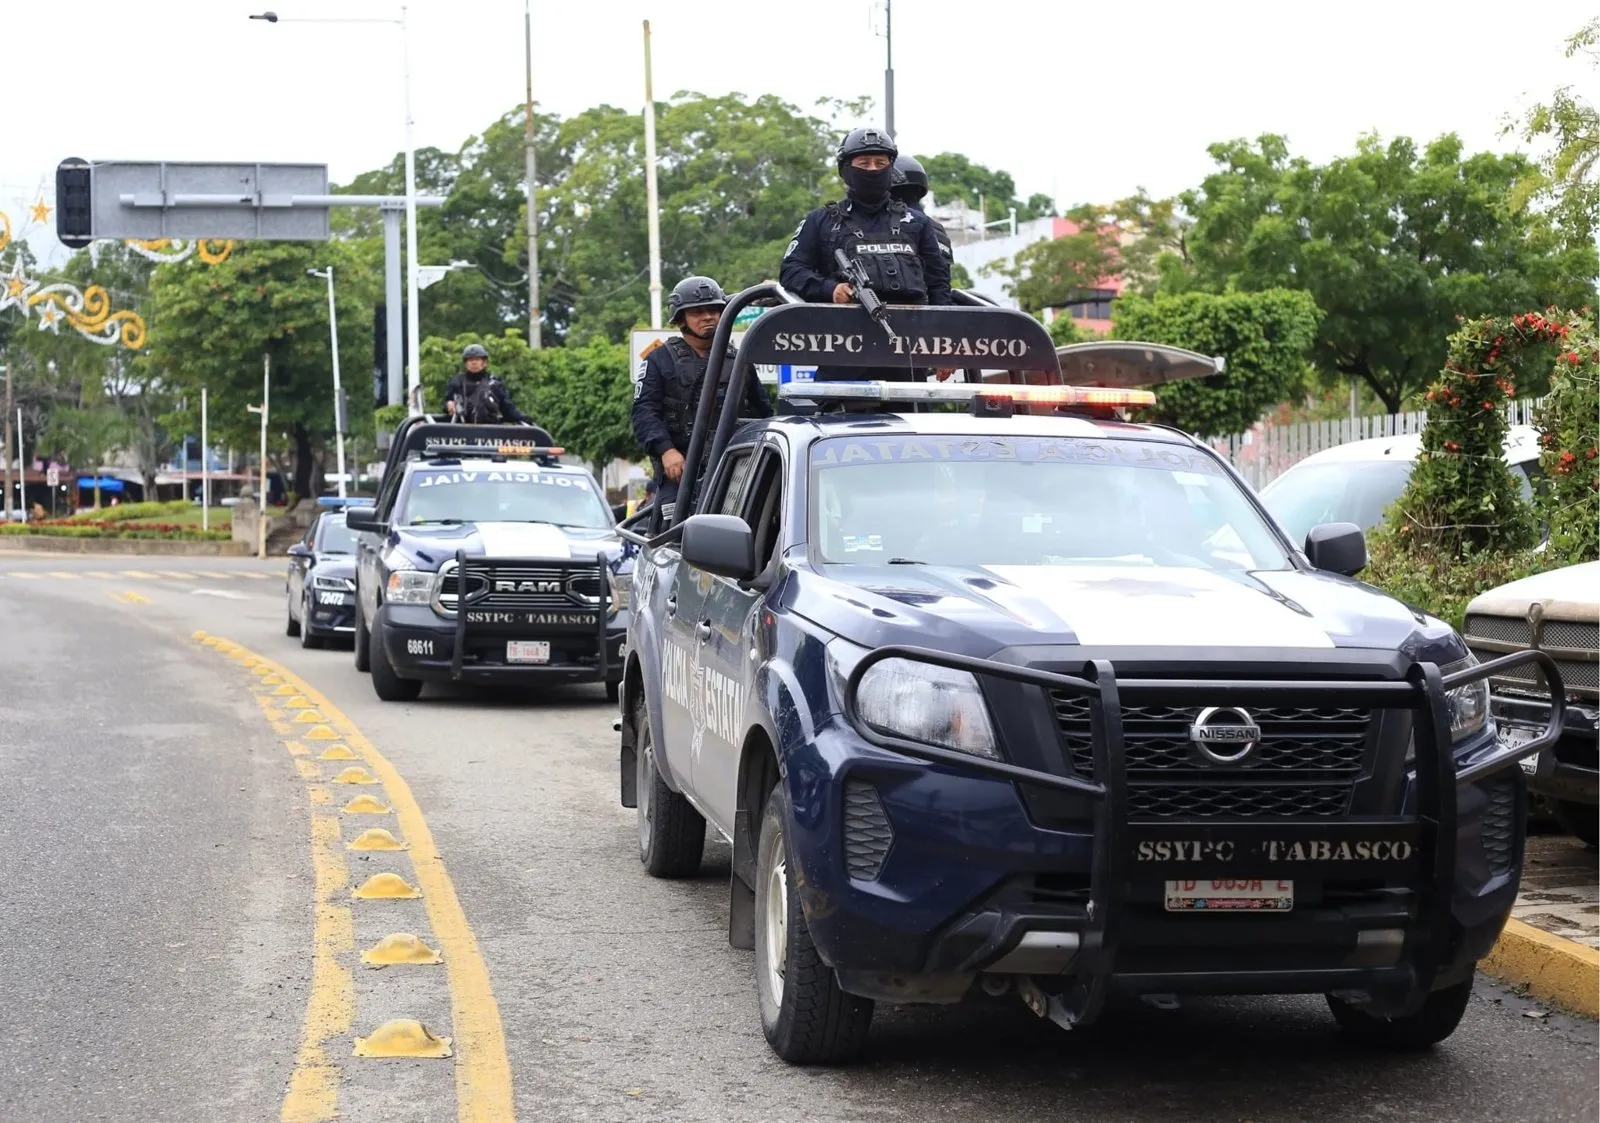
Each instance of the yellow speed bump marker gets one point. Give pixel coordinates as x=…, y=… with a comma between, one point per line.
x=367, y=805
x=300, y=702
x=263, y=669
x=211, y=641
x=376, y=838
x=197, y=635
x=284, y=690
x=402, y=1037
x=400, y=947
x=386, y=887
x=274, y=680
x=354, y=775
x=309, y=717
x=321, y=733
x=338, y=752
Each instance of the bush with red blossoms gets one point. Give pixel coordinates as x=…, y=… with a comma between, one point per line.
x=1569, y=424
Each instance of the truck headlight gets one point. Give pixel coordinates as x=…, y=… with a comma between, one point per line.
x=621, y=589
x=409, y=586
x=1469, y=704
x=922, y=702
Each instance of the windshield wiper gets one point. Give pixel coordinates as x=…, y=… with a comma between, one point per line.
x=906, y=561
x=436, y=522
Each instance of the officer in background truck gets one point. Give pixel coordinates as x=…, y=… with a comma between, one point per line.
x=909, y=184
x=667, y=391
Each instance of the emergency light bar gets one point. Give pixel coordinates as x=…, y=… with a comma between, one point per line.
x=1092, y=396
x=343, y=501
x=501, y=450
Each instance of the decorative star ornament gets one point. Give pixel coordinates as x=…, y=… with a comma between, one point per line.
x=40, y=211
x=15, y=287
x=50, y=317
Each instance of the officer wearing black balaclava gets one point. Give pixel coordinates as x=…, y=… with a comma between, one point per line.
x=909, y=183
x=666, y=389
x=896, y=245
x=468, y=385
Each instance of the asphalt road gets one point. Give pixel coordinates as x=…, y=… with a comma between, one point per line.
x=162, y=933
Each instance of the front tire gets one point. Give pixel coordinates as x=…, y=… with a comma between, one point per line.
x=672, y=834
x=386, y=681
x=363, y=640
x=1437, y=1020
x=805, y=1015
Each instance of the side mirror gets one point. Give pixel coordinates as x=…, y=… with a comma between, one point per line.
x=1337, y=548
x=720, y=544
x=299, y=550
x=364, y=518
x=619, y=511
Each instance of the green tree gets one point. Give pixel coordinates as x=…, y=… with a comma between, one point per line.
x=1393, y=243
x=1056, y=271
x=1265, y=339
x=1568, y=178
x=215, y=324
x=83, y=435
x=953, y=177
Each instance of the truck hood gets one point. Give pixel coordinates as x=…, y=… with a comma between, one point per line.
x=981, y=610
x=428, y=547
x=1571, y=593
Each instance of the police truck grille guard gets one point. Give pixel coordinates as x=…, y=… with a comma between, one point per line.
x=468, y=571
x=1429, y=835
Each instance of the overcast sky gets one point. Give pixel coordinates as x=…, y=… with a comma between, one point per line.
x=1082, y=102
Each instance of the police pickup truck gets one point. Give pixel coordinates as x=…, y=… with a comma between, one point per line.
x=1033, y=699
x=485, y=560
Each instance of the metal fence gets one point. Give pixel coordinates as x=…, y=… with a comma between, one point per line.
x=1266, y=451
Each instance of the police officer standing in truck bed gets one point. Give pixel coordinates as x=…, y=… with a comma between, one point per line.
x=667, y=392
x=896, y=245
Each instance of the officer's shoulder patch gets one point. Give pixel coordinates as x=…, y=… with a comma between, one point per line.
x=794, y=244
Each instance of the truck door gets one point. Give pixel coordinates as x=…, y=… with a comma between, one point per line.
x=687, y=631
x=732, y=655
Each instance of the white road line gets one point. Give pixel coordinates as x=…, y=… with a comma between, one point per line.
x=228, y=593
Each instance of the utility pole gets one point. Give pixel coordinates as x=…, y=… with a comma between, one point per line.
x=205, y=463
x=8, y=444
x=888, y=67
x=533, y=205
x=653, y=219
x=266, y=394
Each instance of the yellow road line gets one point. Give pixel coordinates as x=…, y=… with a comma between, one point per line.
x=63, y=573
x=137, y=573
x=128, y=596
x=25, y=575
x=483, y=1070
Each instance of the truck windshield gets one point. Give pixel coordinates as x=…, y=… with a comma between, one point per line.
x=979, y=501
x=335, y=537
x=461, y=495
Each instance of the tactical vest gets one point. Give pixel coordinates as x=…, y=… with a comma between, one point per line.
x=891, y=259
x=680, y=396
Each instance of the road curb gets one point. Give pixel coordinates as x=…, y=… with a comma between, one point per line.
x=1559, y=971
x=136, y=547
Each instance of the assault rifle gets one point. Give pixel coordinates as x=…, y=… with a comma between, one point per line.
x=855, y=275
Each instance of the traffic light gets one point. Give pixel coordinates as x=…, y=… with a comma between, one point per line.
x=73, y=210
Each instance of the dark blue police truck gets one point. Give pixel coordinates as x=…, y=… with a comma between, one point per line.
x=994, y=690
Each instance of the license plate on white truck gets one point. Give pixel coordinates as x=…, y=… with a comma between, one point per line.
x=527, y=651
x=1230, y=894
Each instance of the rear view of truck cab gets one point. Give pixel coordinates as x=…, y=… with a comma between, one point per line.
x=996, y=690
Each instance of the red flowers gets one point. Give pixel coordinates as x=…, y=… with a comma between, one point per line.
x=1573, y=357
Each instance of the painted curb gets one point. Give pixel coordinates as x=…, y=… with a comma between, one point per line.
x=1562, y=972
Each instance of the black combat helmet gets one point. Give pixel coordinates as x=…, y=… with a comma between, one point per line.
x=694, y=292
x=860, y=142
x=474, y=351
x=910, y=181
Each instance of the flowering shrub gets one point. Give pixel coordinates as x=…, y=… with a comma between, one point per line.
x=1569, y=424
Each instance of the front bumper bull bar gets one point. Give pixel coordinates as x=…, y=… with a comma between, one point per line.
x=466, y=566
x=1430, y=833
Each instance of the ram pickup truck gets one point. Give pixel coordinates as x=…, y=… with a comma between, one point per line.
x=994, y=690
x=486, y=560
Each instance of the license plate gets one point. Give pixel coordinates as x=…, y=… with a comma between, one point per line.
x=1514, y=737
x=527, y=651
x=1230, y=894
x=337, y=599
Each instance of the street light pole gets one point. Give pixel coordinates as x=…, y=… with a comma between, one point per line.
x=888, y=66
x=413, y=329
x=338, y=402
x=205, y=464
x=533, y=205
x=653, y=219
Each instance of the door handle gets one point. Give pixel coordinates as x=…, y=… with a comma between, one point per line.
x=672, y=606
x=703, y=630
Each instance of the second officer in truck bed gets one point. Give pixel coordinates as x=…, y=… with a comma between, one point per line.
x=667, y=390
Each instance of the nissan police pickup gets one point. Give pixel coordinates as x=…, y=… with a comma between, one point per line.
x=995, y=690
x=485, y=560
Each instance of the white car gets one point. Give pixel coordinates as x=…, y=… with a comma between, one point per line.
x=1356, y=482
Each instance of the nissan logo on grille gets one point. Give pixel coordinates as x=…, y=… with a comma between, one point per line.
x=527, y=586
x=1225, y=734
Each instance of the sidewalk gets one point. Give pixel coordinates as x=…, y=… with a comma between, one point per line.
x=1551, y=944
